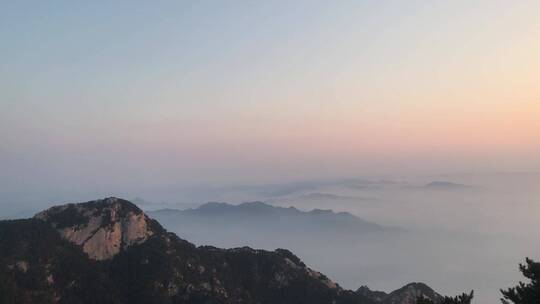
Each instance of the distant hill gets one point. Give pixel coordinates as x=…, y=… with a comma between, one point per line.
x=407, y=294
x=262, y=216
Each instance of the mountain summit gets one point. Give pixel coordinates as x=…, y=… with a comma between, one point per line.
x=102, y=228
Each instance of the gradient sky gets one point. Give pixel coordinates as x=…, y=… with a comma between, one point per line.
x=185, y=92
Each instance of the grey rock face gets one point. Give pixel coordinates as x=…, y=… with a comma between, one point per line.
x=102, y=228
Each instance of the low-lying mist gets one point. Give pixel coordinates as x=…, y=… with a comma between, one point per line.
x=469, y=233
x=455, y=233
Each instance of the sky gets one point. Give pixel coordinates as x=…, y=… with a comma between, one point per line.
x=101, y=95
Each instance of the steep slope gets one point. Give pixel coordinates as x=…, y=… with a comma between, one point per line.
x=109, y=251
x=38, y=266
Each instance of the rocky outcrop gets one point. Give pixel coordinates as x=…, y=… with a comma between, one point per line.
x=102, y=228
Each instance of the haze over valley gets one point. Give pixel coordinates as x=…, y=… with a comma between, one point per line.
x=269, y=152
x=376, y=232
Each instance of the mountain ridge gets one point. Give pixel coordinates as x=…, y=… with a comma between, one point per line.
x=244, y=212
x=42, y=262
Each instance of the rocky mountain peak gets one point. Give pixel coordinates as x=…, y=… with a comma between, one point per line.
x=407, y=294
x=103, y=227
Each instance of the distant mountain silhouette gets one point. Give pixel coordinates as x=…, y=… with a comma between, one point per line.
x=407, y=294
x=254, y=214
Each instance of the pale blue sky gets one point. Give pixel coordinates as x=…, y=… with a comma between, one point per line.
x=152, y=92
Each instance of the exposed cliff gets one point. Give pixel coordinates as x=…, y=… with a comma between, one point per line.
x=102, y=228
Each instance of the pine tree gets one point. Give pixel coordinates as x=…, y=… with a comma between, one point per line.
x=525, y=293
